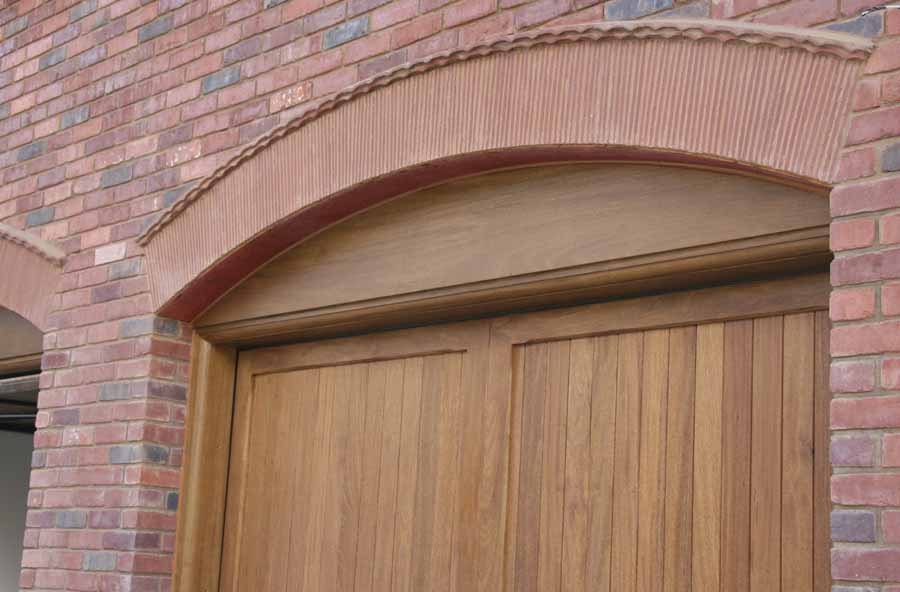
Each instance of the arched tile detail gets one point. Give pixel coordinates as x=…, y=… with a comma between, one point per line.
x=766, y=100
x=31, y=269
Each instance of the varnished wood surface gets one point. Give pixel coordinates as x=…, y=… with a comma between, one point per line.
x=201, y=508
x=665, y=443
x=537, y=224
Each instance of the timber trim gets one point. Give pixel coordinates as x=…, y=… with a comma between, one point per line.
x=783, y=253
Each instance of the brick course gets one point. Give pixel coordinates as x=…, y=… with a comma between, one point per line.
x=110, y=110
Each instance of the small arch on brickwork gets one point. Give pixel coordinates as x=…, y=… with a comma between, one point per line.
x=675, y=92
x=34, y=266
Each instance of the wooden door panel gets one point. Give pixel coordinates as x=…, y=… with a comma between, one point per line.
x=674, y=459
x=347, y=476
x=626, y=446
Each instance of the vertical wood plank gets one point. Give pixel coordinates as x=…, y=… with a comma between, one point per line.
x=387, y=496
x=578, y=466
x=304, y=433
x=423, y=529
x=339, y=481
x=375, y=400
x=707, y=514
x=652, y=467
x=537, y=360
x=736, y=415
x=796, y=454
x=517, y=386
x=603, y=441
x=409, y=467
x=679, y=458
x=765, y=471
x=270, y=416
x=447, y=477
x=318, y=500
x=822, y=467
x=627, y=449
x=553, y=477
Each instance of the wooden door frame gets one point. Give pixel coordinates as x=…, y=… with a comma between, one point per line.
x=205, y=473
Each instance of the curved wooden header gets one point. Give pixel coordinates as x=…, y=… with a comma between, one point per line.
x=770, y=100
x=37, y=264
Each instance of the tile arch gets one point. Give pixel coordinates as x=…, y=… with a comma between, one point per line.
x=653, y=91
x=37, y=264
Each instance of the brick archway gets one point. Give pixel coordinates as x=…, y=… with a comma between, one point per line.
x=665, y=91
x=37, y=265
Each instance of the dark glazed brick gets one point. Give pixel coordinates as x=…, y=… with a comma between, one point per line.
x=52, y=58
x=890, y=159
x=618, y=10
x=221, y=79
x=15, y=26
x=355, y=7
x=71, y=519
x=38, y=459
x=695, y=10
x=154, y=29
x=852, y=526
x=124, y=269
x=173, y=195
x=243, y=50
x=39, y=217
x=870, y=25
x=82, y=10
x=115, y=391
x=172, y=501
x=32, y=150
x=117, y=176
x=92, y=56
x=271, y=3
x=4, y=110
x=75, y=116
x=346, y=32
x=167, y=390
x=131, y=453
x=65, y=417
x=166, y=326
x=99, y=561
x=135, y=327
x=382, y=63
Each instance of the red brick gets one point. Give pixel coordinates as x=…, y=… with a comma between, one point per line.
x=862, y=564
x=854, y=451
x=890, y=229
x=890, y=88
x=467, y=10
x=886, y=57
x=866, y=489
x=890, y=373
x=874, y=125
x=852, y=304
x=853, y=377
x=417, y=29
x=865, y=412
x=891, y=455
x=804, y=13
x=852, y=234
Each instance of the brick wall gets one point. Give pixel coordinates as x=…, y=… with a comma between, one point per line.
x=111, y=110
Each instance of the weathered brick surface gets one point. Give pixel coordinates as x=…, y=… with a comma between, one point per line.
x=110, y=110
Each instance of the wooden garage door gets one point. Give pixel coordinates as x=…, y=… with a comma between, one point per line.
x=666, y=443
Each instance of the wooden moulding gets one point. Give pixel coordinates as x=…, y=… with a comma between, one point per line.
x=386, y=136
x=524, y=239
